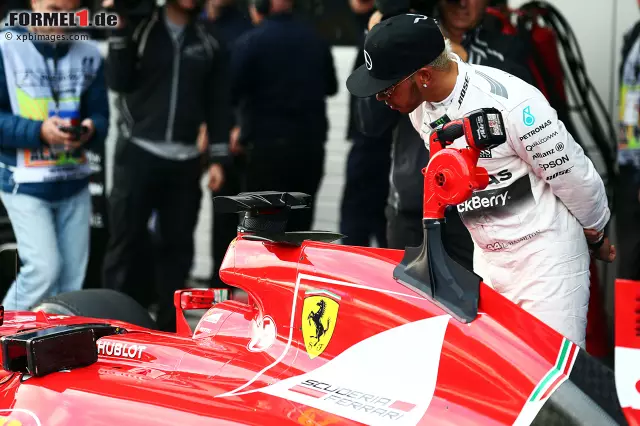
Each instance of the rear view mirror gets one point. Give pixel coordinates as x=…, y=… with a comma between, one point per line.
x=193, y=299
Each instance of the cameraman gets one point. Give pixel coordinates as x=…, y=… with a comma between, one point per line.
x=170, y=75
x=45, y=126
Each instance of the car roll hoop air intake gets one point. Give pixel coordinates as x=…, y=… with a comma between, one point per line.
x=450, y=178
x=264, y=216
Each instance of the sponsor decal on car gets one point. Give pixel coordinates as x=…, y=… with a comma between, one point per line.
x=359, y=383
x=19, y=319
x=319, y=317
x=527, y=118
x=549, y=383
x=535, y=131
x=380, y=406
x=627, y=350
x=18, y=417
x=120, y=349
x=263, y=334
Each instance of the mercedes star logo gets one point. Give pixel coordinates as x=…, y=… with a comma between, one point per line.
x=367, y=60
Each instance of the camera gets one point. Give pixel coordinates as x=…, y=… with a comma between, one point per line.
x=76, y=131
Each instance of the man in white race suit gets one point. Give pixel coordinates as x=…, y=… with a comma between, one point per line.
x=545, y=208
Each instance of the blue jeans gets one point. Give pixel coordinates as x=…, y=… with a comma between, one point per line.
x=53, y=244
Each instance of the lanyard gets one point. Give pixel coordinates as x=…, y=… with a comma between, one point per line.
x=55, y=92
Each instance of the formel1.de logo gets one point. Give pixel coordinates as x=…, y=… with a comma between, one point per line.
x=80, y=18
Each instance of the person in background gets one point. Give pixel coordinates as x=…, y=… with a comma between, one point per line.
x=463, y=22
x=9, y=5
x=170, y=75
x=282, y=72
x=628, y=185
x=366, y=182
x=45, y=126
x=229, y=23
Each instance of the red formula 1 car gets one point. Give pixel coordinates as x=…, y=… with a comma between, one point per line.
x=330, y=335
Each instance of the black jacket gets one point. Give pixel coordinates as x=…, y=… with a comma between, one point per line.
x=282, y=72
x=409, y=154
x=167, y=90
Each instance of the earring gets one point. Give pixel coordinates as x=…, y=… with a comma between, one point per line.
x=424, y=84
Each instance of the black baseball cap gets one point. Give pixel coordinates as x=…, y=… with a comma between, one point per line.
x=393, y=50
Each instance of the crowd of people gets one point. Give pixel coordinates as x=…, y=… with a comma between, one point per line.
x=205, y=87
x=201, y=87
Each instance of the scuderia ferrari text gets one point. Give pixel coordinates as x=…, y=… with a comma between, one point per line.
x=385, y=408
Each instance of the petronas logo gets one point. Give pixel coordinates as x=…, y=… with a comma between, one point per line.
x=527, y=118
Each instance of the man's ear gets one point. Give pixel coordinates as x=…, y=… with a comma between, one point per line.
x=423, y=76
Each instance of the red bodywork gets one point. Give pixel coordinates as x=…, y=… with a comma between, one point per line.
x=327, y=337
x=627, y=353
x=486, y=372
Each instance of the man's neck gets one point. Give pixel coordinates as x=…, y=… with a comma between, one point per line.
x=456, y=35
x=176, y=15
x=447, y=85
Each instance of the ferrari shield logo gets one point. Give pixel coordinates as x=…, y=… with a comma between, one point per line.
x=319, y=316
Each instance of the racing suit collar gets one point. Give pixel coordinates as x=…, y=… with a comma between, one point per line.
x=454, y=103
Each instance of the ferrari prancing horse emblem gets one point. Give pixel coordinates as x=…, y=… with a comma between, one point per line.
x=319, y=316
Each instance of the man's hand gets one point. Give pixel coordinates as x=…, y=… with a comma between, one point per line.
x=50, y=131
x=84, y=138
x=203, y=138
x=606, y=252
x=234, y=141
x=216, y=177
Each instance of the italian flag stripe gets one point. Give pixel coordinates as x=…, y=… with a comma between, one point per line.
x=560, y=371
